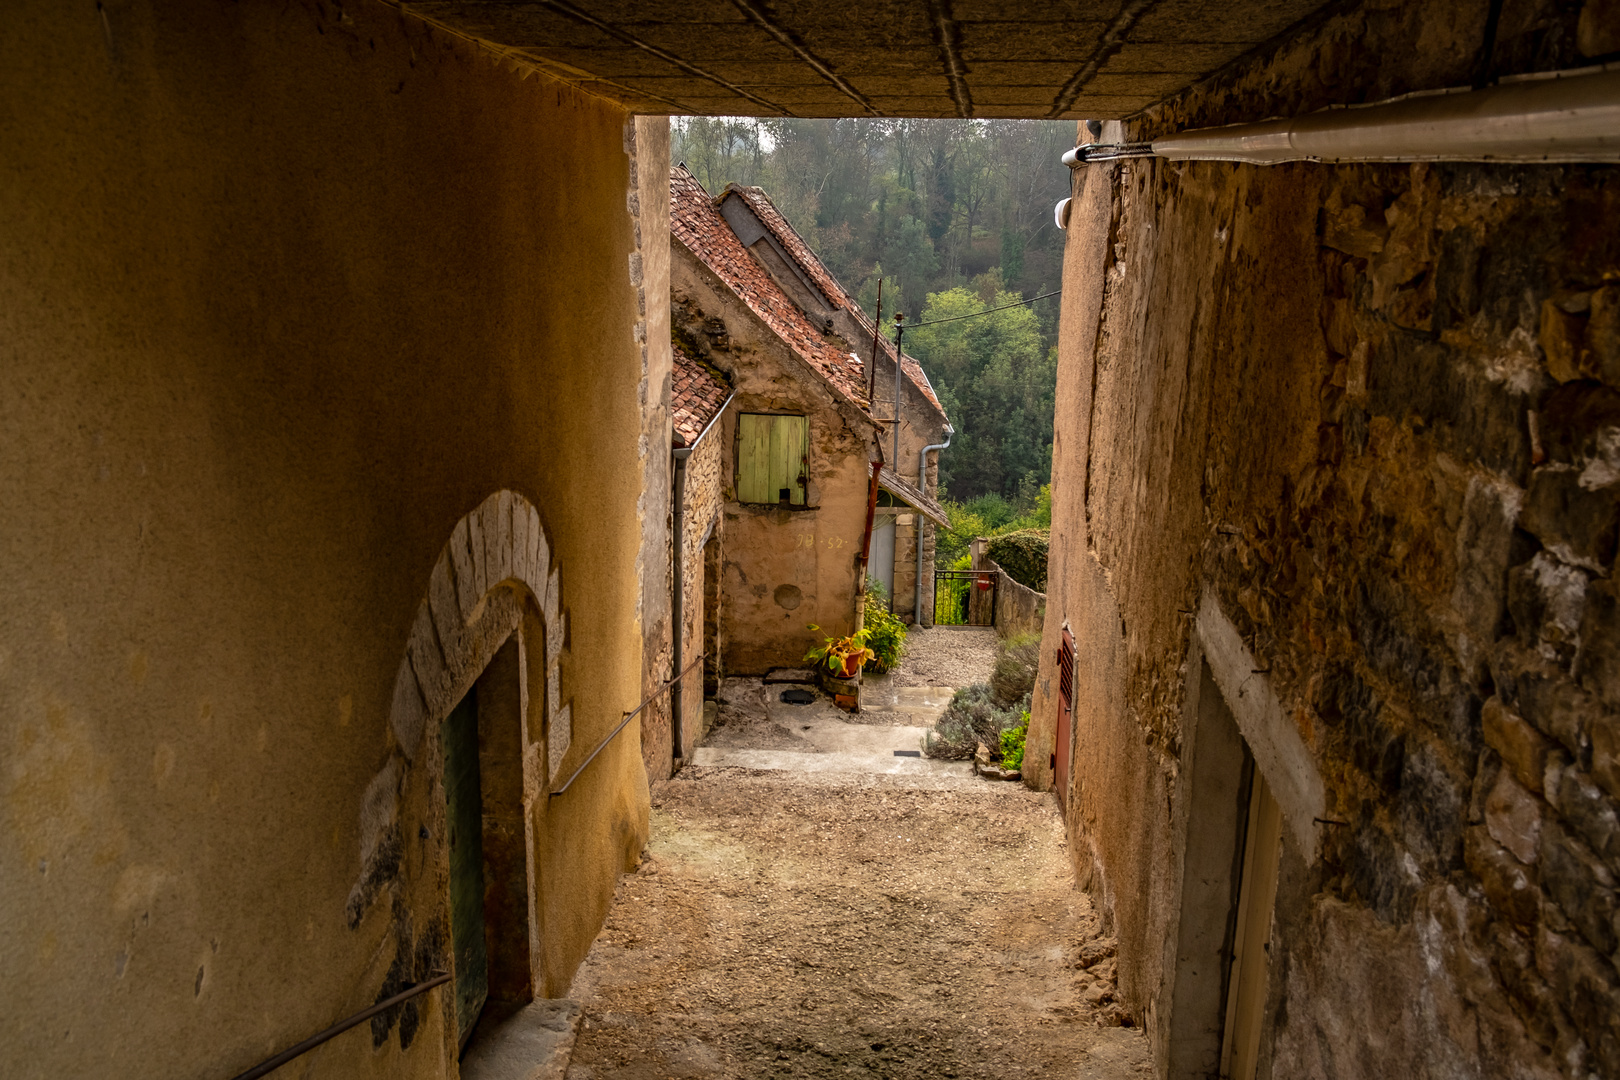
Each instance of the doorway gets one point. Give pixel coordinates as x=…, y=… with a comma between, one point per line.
x=881, y=561
x=487, y=837
x=1229, y=886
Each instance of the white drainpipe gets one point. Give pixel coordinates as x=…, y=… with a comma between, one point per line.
x=1568, y=116
x=922, y=486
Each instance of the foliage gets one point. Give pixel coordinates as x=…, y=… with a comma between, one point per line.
x=885, y=631
x=1017, y=660
x=953, y=216
x=990, y=515
x=1023, y=555
x=997, y=379
x=1012, y=743
x=835, y=653
x=950, y=595
x=972, y=717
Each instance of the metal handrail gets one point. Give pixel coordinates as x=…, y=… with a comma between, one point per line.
x=265, y=1068
x=627, y=718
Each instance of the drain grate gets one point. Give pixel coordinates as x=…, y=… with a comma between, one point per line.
x=908, y=753
x=798, y=697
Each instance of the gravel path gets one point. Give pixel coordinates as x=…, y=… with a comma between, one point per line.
x=781, y=928
x=851, y=923
x=946, y=656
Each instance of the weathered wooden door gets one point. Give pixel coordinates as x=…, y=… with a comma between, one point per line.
x=464, y=816
x=1060, y=751
x=1246, y=983
x=881, y=562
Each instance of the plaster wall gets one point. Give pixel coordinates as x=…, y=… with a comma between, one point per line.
x=782, y=569
x=280, y=305
x=1360, y=413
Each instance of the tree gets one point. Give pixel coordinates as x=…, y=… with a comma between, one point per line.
x=948, y=213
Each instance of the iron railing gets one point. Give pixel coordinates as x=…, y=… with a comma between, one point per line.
x=631, y=715
x=270, y=1065
x=965, y=597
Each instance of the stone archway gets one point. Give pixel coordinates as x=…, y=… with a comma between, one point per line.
x=474, y=601
x=496, y=565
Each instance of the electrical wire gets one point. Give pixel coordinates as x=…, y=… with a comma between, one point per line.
x=987, y=311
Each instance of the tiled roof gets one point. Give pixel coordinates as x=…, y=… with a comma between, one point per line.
x=789, y=238
x=696, y=396
x=913, y=498
x=694, y=221
x=760, y=203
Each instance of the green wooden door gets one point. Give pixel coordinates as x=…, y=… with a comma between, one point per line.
x=464, y=815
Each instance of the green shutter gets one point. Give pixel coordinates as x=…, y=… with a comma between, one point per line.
x=772, y=457
x=753, y=458
x=788, y=464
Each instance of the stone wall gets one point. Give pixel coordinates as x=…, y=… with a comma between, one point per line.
x=1019, y=609
x=704, y=501
x=1360, y=423
x=288, y=294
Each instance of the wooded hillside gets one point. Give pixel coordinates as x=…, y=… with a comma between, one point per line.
x=955, y=217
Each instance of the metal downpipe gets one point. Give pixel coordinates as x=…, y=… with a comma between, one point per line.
x=922, y=486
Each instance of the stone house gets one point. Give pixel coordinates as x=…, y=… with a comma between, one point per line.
x=1327, y=692
x=751, y=303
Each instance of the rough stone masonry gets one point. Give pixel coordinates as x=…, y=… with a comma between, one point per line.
x=1376, y=411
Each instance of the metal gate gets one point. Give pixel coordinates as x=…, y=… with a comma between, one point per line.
x=965, y=597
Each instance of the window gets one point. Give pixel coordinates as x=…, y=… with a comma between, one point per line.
x=773, y=458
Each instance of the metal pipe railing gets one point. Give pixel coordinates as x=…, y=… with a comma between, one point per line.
x=631, y=715
x=265, y=1068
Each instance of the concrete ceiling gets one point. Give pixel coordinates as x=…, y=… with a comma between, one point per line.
x=1032, y=59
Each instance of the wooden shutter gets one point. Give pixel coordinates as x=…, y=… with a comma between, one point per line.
x=772, y=457
x=789, y=464
x=1061, y=751
x=753, y=458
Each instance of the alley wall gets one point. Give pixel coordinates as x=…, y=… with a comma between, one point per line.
x=286, y=292
x=1360, y=424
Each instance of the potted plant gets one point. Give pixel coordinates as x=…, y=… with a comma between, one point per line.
x=842, y=657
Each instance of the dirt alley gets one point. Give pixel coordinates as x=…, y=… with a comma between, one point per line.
x=794, y=924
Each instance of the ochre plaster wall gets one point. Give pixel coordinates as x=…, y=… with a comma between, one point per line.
x=1368, y=409
x=783, y=569
x=285, y=292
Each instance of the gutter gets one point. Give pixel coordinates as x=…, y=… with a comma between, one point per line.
x=922, y=485
x=678, y=599
x=1547, y=118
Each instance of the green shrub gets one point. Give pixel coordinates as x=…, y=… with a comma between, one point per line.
x=1023, y=555
x=972, y=717
x=1012, y=744
x=885, y=631
x=1017, y=659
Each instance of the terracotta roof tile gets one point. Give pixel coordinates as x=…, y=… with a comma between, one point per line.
x=760, y=203
x=697, y=224
x=696, y=396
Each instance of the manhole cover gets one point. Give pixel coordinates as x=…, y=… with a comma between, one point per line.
x=798, y=697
